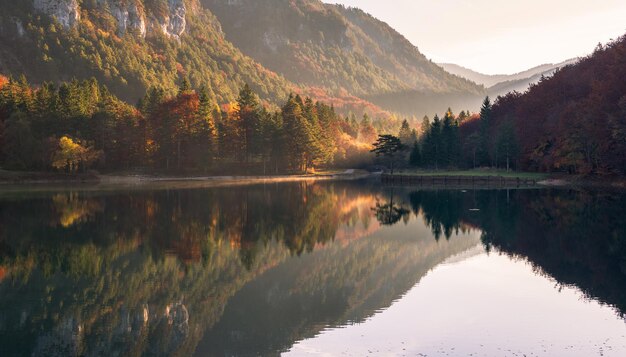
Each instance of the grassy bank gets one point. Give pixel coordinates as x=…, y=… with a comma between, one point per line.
x=477, y=173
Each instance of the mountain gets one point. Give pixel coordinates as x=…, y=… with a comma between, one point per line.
x=277, y=46
x=338, y=48
x=499, y=84
x=521, y=85
x=129, y=45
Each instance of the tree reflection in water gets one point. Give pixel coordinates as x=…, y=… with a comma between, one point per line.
x=150, y=272
x=390, y=213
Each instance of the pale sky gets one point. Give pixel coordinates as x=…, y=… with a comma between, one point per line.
x=501, y=37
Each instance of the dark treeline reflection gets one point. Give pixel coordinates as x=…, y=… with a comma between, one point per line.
x=252, y=269
x=577, y=237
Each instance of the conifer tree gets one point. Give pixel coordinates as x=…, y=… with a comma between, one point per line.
x=298, y=133
x=485, y=132
x=388, y=146
x=415, y=159
x=506, y=145
x=432, y=144
x=185, y=86
x=450, y=148
x=248, y=118
x=405, y=133
x=425, y=126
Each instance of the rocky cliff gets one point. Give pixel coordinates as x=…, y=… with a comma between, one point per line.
x=139, y=16
x=66, y=12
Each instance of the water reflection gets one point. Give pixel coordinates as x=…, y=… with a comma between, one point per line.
x=254, y=269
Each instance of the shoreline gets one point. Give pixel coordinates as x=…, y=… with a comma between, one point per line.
x=15, y=179
x=466, y=180
x=39, y=179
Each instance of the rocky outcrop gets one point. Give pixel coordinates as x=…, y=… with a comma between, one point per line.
x=175, y=24
x=130, y=15
x=66, y=12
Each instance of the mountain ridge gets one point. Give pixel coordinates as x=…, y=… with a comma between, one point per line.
x=281, y=46
x=492, y=80
x=336, y=47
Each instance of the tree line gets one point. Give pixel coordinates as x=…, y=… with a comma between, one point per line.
x=462, y=141
x=572, y=122
x=80, y=125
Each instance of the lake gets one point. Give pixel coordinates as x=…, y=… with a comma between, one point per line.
x=311, y=269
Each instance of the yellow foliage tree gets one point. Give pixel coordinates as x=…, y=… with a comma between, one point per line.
x=72, y=156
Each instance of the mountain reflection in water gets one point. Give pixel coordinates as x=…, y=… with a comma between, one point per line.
x=254, y=269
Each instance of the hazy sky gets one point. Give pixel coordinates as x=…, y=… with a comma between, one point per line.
x=505, y=36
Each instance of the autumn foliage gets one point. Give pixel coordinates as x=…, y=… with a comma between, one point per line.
x=574, y=121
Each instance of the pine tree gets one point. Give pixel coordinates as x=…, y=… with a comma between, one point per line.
x=185, y=86
x=450, y=148
x=435, y=142
x=205, y=133
x=405, y=133
x=298, y=134
x=388, y=146
x=425, y=127
x=248, y=118
x=19, y=143
x=485, y=132
x=415, y=159
x=506, y=145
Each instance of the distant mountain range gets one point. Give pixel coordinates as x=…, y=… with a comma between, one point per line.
x=500, y=84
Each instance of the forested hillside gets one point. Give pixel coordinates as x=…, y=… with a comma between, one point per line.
x=571, y=122
x=342, y=49
x=575, y=120
x=129, y=46
x=340, y=55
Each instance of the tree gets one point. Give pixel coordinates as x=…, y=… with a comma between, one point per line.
x=19, y=143
x=450, y=148
x=390, y=213
x=432, y=148
x=248, y=119
x=471, y=147
x=367, y=131
x=322, y=146
x=425, y=126
x=405, y=133
x=506, y=144
x=462, y=116
x=185, y=86
x=297, y=134
x=72, y=155
x=415, y=159
x=205, y=133
x=388, y=146
x=485, y=133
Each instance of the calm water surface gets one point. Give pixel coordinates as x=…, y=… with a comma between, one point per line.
x=311, y=269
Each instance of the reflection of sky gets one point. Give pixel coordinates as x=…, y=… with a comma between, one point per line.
x=485, y=305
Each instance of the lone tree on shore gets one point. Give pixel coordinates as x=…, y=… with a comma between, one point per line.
x=388, y=146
